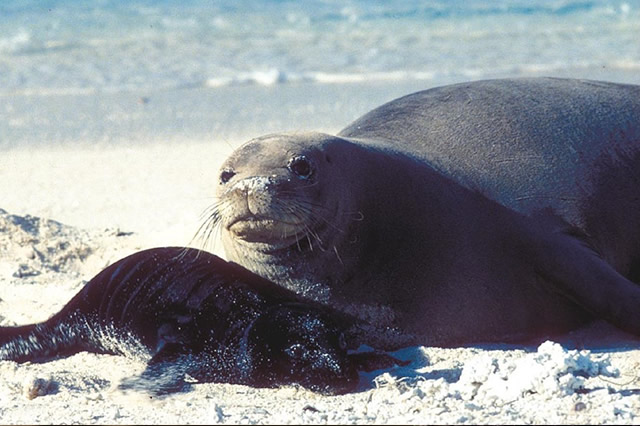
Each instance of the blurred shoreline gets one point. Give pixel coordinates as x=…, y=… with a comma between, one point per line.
x=230, y=114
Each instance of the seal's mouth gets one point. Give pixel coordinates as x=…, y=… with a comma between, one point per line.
x=266, y=230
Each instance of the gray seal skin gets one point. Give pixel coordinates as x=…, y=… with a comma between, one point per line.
x=489, y=211
x=191, y=313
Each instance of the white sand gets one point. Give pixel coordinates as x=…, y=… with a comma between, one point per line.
x=157, y=191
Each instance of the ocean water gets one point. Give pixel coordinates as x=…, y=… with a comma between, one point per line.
x=88, y=46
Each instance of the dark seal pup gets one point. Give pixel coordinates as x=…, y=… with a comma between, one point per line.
x=198, y=315
x=488, y=211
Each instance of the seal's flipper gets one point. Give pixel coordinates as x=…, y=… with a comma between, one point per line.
x=579, y=273
x=165, y=372
x=169, y=370
x=40, y=342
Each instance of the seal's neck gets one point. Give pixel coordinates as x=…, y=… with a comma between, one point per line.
x=309, y=266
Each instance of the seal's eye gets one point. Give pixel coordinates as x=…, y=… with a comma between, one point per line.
x=301, y=166
x=226, y=175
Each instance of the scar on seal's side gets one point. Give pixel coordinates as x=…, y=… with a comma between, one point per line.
x=488, y=211
x=194, y=314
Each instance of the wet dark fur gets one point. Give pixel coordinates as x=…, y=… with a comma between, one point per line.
x=194, y=314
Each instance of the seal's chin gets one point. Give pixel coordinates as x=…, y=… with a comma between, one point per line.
x=266, y=230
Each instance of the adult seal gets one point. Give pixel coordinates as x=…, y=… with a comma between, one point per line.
x=498, y=210
x=191, y=313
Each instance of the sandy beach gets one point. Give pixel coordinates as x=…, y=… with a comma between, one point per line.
x=70, y=209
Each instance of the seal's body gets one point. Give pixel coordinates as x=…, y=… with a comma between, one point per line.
x=195, y=314
x=488, y=211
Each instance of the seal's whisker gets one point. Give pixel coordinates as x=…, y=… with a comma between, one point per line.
x=198, y=232
x=299, y=212
x=204, y=235
x=306, y=207
x=185, y=251
x=212, y=217
x=356, y=216
x=211, y=220
x=329, y=223
x=208, y=235
x=309, y=241
x=298, y=242
x=307, y=203
x=212, y=208
x=335, y=250
x=311, y=214
x=315, y=235
x=209, y=211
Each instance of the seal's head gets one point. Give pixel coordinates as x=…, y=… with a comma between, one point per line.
x=295, y=344
x=283, y=196
x=276, y=189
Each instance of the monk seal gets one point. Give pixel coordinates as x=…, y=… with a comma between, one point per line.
x=489, y=211
x=194, y=314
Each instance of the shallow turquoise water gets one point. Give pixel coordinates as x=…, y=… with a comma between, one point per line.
x=70, y=46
